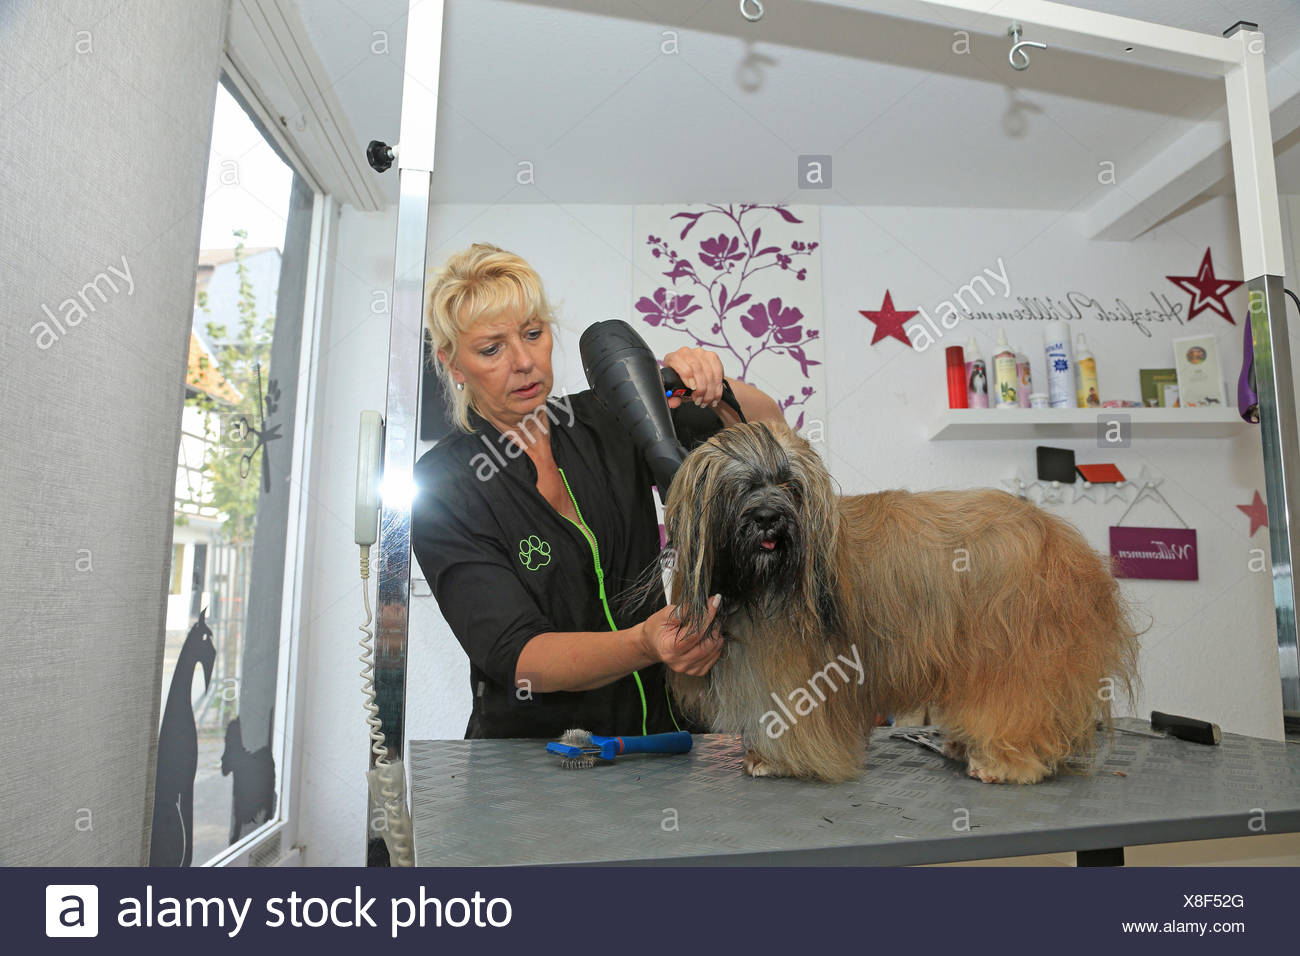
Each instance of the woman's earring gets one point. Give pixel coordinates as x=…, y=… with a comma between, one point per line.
x=460, y=386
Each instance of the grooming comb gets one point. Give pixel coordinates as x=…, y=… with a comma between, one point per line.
x=1184, y=728
x=929, y=739
x=578, y=749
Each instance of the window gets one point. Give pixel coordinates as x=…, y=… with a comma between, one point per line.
x=178, y=565
x=224, y=634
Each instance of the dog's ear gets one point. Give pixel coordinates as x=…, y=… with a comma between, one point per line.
x=688, y=514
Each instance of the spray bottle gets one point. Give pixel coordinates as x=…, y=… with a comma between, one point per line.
x=1025, y=384
x=1089, y=396
x=956, y=363
x=1060, y=366
x=1005, y=378
x=977, y=376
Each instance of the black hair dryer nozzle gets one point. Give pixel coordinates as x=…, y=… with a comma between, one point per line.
x=623, y=373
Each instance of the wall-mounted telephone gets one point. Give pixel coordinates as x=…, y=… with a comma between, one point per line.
x=387, y=781
x=370, y=465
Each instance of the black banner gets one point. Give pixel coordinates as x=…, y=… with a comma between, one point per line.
x=669, y=910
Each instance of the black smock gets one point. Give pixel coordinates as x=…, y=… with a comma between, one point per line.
x=505, y=566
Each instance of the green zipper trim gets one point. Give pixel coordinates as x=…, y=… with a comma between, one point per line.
x=590, y=535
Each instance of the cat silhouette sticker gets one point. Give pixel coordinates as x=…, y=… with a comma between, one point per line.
x=172, y=843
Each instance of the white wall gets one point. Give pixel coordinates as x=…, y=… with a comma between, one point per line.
x=1211, y=651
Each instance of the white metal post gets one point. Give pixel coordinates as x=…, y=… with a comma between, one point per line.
x=415, y=157
x=1259, y=220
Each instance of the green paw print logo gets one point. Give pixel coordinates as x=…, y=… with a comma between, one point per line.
x=534, y=553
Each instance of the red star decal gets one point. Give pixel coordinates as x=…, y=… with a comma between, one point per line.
x=1258, y=512
x=1207, y=289
x=889, y=322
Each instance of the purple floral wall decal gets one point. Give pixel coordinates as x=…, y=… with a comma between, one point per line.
x=715, y=297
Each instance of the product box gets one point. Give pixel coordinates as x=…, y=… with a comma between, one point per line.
x=1159, y=387
x=1200, y=378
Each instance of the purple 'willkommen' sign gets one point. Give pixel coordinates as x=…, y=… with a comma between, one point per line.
x=1165, y=554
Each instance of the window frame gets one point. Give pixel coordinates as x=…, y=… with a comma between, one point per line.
x=290, y=678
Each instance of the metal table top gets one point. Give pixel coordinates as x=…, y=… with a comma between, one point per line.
x=508, y=802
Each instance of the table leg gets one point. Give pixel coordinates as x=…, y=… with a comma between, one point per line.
x=1110, y=856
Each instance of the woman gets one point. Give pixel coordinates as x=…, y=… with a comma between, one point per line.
x=530, y=521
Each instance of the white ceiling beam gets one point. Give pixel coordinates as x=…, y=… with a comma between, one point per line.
x=1188, y=166
x=268, y=44
x=1070, y=28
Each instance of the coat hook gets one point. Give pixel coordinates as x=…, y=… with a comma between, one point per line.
x=751, y=17
x=1018, y=45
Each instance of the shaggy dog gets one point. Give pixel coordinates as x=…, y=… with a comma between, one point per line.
x=993, y=613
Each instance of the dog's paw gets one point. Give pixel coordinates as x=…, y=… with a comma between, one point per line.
x=756, y=766
x=1005, y=773
x=954, y=749
x=981, y=774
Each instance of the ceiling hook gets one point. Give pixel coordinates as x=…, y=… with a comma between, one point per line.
x=1018, y=46
x=751, y=17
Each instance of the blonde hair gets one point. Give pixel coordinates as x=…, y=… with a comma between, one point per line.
x=481, y=282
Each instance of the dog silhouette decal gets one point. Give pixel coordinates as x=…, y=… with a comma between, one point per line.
x=253, y=783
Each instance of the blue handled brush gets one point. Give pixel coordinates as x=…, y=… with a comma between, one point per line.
x=578, y=749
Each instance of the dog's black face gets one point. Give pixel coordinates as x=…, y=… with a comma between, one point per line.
x=760, y=546
x=747, y=515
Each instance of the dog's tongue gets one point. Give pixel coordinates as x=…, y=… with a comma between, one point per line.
x=768, y=545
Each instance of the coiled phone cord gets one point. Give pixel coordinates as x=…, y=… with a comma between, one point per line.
x=397, y=831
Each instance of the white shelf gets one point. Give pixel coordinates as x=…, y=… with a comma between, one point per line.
x=967, y=424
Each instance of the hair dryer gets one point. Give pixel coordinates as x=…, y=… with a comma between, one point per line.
x=623, y=373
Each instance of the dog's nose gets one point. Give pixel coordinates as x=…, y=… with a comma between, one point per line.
x=765, y=518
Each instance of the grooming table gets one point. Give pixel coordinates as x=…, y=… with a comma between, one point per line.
x=508, y=802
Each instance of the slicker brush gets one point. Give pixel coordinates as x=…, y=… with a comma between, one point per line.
x=578, y=749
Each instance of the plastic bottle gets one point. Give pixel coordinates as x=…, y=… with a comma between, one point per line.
x=956, y=363
x=1025, y=383
x=1088, y=395
x=1060, y=366
x=977, y=376
x=1004, y=373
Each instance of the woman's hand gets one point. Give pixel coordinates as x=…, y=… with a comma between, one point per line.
x=686, y=653
x=701, y=371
